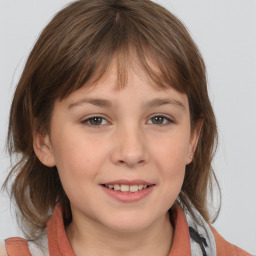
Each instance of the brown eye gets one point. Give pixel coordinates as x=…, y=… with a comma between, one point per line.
x=157, y=119
x=95, y=120
x=160, y=120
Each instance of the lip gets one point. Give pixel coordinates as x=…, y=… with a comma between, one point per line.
x=128, y=196
x=129, y=182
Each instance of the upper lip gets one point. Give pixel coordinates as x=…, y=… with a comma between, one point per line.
x=129, y=182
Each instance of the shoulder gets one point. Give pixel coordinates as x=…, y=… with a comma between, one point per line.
x=3, y=251
x=226, y=248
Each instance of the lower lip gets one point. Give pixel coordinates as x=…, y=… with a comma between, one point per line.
x=128, y=196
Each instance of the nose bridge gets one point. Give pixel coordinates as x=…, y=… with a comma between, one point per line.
x=130, y=148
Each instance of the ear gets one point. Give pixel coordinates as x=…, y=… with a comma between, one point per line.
x=194, y=136
x=43, y=149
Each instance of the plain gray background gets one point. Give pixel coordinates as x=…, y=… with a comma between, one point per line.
x=225, y=31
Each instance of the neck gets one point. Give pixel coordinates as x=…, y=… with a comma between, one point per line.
x=95, y=241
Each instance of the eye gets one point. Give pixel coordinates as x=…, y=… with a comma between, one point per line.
x=95, y=121
x=160, y=120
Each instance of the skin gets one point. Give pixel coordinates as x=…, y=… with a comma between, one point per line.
x=129, y=142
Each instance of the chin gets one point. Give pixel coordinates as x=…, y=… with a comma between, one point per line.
x=128, y=223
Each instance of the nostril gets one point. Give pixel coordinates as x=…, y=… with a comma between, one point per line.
x=122, y=162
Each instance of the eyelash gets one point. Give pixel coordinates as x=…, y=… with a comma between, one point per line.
x=87, y=121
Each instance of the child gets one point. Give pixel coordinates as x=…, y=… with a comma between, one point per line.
x=116, y=133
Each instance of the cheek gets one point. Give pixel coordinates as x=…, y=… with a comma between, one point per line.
x=74, y=147
x=171, y=151
x=78, y=165
x=78, y=159
x=171, y=166
x=170, y=160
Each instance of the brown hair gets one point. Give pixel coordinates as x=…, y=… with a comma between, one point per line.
x=76, y=47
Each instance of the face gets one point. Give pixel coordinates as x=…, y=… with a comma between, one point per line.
x=121, y=154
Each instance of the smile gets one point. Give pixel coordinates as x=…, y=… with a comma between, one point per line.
x=126, y=188
x=128, y=191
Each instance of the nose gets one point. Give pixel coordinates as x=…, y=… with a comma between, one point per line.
x=129, y=147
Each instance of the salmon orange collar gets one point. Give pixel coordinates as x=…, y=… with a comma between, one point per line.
x=189, y=237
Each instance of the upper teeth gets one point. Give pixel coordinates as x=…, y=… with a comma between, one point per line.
x=126, y=188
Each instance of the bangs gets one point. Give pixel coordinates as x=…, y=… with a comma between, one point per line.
x=127, y=54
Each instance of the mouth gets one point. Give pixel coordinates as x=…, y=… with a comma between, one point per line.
x=126, y=188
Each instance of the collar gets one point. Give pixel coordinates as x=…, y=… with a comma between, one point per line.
x=185, y=237
x=58, y=242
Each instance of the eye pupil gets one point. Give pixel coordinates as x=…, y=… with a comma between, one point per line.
x=95, y=120
x=157, y=120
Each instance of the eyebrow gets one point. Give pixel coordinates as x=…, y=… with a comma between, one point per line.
x=96, y=102
x=161, y=102
x=106, y=103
